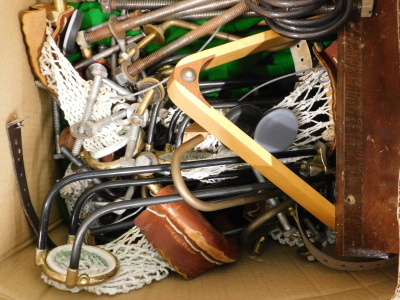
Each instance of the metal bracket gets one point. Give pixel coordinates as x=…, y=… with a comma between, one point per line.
x=15, y=143
x=367, y=8
x=301, y=56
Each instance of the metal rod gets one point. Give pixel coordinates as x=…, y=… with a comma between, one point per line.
x=53, y=193
x=76, y=248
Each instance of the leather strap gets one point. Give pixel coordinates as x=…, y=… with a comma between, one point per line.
x=338, y=264
x=15, y=143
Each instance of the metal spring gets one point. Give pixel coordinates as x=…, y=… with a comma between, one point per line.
x=140, y=4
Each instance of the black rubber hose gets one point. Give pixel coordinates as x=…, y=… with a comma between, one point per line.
x=125, y=183
x=172, y=125
x=112, y=228
x=74, y=223
x=152, y=123
x=77, y=246
x=131, y=204
x=181, y=130
x=287, y=17
x=160, y=180
x=53, y=193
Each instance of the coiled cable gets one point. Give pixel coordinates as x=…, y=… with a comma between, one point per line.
x=289, y=18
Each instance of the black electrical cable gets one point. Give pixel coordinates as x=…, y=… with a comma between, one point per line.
x=181, y=130
x=215, y=90
x=172, y=125
x=152, y=123
x=240, y=229
x=289, y=18
x=231, y=83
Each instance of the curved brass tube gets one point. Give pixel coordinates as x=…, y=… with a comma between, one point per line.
x=244, y=237
x=98, y=165
x=144, y=192
x=213, y=205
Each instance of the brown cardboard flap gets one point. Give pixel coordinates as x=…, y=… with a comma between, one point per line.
x=279, y=273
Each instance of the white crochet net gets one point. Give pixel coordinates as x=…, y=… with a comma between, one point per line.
x=313, y=108
x=310, y=103
x=72, y=191
x=139, y=264
x=73, y=91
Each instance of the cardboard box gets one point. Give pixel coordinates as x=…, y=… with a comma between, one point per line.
x=278, y=274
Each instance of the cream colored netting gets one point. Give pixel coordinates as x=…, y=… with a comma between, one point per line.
x=139, y=264
x=313, y=108
x=310, y=103
x=73, y=91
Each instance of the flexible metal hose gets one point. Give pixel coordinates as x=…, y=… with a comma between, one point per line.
x=289, y=18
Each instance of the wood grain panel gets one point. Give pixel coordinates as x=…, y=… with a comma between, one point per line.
x=368, y=133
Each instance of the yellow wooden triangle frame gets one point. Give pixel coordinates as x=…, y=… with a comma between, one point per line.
x=187, y=96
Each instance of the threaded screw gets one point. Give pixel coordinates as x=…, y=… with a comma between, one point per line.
x=208, y=7
x=77, y=162
x=99, y=72
x=123, y=26
x=140, y=4
x=274, y=202
x=107, y=52
x=203, y=12
x=156, y=4
x=57, y=128
x=135, y=68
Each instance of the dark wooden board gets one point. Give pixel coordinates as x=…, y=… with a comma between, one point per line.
x=368, y=133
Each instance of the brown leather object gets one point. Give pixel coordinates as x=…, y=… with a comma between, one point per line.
x=184, y=237
x=34, y=30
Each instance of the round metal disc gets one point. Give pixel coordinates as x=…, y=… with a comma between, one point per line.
x=89, y=253
x=277, y=130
